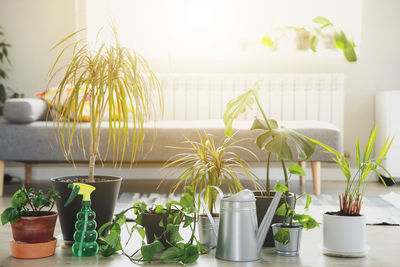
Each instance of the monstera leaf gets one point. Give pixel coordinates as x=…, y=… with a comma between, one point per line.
x=277, y=140
x=237, y=106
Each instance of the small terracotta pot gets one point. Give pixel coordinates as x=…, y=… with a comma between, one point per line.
x=34, y=229
x=32, y=250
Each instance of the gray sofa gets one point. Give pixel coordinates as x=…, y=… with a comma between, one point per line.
x=27, y=138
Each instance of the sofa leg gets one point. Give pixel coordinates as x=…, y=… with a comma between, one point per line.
x=28, y=173
x=1, y=177
x=316, y=172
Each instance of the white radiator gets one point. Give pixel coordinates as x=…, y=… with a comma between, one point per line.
x=283, y=96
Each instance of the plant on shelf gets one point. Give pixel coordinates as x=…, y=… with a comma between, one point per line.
x=3, y=74
x=340, y=39
x=114, y=88
x=275, y=140
x=32, y=222
x=210, y=165
x=348, y=224
x=288, y=232
x=160, y=225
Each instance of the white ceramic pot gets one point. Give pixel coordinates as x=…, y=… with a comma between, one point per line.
x=344, y=235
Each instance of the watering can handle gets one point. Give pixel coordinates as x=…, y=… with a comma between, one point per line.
x=204, y=206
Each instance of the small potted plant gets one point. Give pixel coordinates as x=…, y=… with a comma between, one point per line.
x=275, y=140
x=210, y=165
x=344, y=230
x=32, y=223
x=160, y=225
x=287, y=234
x=114, y=89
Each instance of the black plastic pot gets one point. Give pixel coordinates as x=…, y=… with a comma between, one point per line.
x=103, y=200
x=151, y=223
x=262, y=204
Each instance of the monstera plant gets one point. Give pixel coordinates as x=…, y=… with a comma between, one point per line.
x=274, y=140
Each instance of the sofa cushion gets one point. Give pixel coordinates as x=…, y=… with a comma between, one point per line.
x=24, y=110
x=36, y=142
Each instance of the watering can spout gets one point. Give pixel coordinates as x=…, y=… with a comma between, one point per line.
x=266, y=222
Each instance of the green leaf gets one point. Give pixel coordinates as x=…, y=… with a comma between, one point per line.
x=308, y=201
x=282, y=236
x=295, y=169
x=283, y=210
x=188, y=221
x=160, y=210
x=172, y=254
x=267, y=41
x=237, y=106
x=191, y=254
x=306, y=221
x=323, y=21
x=280, y=187
x=139, y=219
x=313, y=43
x=173, y=231
x=149, y=250
x=9, y=215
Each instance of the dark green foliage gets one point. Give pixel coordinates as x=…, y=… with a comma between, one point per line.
x=180, y=213
x=28, y=202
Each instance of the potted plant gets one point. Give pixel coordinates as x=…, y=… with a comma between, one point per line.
x=344, y=230
x=3, y=75
x=275, y=140
x=115, y=87
x=210, y=165
x=287, y=234
x=160, y=225
x=334, y=36
x=32, y=224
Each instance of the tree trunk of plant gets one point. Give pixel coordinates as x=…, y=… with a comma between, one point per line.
x=94, y=149
x=92, y=163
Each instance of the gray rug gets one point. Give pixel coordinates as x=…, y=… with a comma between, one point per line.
x=383, y=209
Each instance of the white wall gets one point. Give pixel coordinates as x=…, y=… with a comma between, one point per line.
x=32, y=27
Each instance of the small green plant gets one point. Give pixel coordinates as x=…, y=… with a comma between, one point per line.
x=169, y=246
x=340, y=38
x=288, y=211
x=28, y=202
x=4, y=95
x=274, y=139
x=211, y=165
x=356, y=182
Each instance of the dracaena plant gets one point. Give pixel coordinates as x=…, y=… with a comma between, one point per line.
x=350, y=201
x=110, y=81
x=210, y=164
x=273, y=139
x=290, y=216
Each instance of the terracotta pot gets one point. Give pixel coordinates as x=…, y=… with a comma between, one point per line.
x=33, y=250
x=153, y=229
x=103, y=199
x=34, y=229
x=262, y=205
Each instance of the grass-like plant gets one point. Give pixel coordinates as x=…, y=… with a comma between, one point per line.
x=116, y=82
x=211, y=165
x=356, y=182
x=274, y=139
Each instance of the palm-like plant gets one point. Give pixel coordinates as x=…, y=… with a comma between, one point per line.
x=210, y=165
x=356, y=182
x=109, y=80
x=274, y=140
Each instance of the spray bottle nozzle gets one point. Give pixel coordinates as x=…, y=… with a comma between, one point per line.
x=79, y=189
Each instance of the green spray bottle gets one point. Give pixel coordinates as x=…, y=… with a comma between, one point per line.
x=85, y=235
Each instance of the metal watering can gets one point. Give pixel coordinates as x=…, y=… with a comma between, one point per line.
x=238, y=237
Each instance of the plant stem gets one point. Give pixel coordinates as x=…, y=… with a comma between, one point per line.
x=29, y=200
x=268, y=181
x=262, y=111
x=286, y=176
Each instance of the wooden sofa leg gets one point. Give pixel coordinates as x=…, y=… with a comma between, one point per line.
x=316, y=172
x=1, y=177
x=28, y=173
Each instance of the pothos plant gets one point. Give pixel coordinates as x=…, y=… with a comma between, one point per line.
x=273, y=139
x=291, y=217
x=210, y=164
x=29, y=202
x=170, y=246
x=350, y=202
